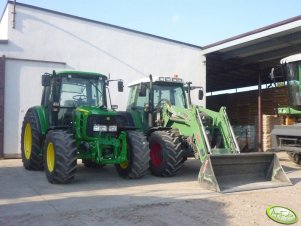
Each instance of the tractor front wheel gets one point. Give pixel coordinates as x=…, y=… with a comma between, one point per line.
x=60, y=157
x=138, y=156
x=31, y=142
x=166, y=153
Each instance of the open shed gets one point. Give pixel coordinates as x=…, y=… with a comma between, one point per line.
x=246, y=60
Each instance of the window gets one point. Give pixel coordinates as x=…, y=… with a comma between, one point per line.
x=294, y=76
x=77, y=91
x=135, y=100
x=174, y=94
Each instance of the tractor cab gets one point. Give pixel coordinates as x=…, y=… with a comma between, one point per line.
x=148, y=97
x=289, y=73
x=292, y=69
x=68, y=90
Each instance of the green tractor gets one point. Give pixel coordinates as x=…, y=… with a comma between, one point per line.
x=287, y=137
x=176, y=129
x=74, y=122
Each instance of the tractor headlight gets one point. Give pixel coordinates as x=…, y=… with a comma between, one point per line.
x=100, y=128
x=112, y=128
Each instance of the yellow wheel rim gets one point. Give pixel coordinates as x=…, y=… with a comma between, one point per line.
x=50, y=157
x=27, y=141
x=124, y=165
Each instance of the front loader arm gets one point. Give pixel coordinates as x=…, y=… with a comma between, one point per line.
x=220, y=122
x=189, y=124
x=209, y=131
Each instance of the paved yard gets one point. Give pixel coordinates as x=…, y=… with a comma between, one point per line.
x=101, y=197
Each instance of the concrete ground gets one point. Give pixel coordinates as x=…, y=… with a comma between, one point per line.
x=101, y=197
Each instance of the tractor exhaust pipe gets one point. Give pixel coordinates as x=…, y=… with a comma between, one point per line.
x=151, y=102
x=242, y=172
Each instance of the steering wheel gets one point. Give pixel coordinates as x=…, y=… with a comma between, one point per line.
x=162, y=102
x=79, y=97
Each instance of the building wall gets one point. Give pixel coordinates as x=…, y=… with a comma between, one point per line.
x=2, y=86
x=242, y=108
x=43, y=41
x=23, y=90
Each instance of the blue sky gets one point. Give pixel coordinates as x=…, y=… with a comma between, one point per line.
x=198, y=22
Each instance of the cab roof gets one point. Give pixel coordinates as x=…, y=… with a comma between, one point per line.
x=157, y=79
x=291, y=58
x=81, y=73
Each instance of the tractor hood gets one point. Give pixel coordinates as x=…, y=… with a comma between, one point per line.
x=91, y=110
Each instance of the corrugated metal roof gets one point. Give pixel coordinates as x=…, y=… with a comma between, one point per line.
x=278, y=24
x=105, y=24
x=237, y=62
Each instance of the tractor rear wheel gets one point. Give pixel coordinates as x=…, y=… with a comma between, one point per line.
x=31, y=142
x=295, y=157
x=60, y=157
x=138, y=156
x=166, y=153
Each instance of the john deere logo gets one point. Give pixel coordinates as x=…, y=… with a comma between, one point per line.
x=282, y=215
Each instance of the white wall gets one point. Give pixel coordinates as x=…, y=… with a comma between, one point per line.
x=87, y=46
x=22, y=90
x=4, y=25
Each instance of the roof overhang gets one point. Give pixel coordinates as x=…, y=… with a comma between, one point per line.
x=238, y=61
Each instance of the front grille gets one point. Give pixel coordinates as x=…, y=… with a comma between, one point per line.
x=99, y=120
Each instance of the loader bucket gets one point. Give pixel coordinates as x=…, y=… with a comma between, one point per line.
x=241, y=172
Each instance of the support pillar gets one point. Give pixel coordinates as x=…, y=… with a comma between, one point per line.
x=259, y=131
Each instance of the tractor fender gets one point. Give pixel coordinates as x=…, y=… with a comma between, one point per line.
x=40, y=111
x=153, y=129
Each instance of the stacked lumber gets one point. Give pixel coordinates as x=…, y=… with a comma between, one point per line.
x=268, y=123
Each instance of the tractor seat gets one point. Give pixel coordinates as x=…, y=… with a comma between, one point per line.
x=66, y=112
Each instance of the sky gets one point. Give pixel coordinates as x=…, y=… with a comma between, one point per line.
x=198, y=22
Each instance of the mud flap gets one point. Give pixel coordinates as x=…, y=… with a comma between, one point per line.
x=241, y=172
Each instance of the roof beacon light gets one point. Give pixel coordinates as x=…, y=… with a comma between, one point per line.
x=171, y=79
x=177, y=79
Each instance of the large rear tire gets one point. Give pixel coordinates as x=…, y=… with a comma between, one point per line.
x=166, y=153
x=138, y=156
x=295, y=157
x=31, y=142
x=60, y=157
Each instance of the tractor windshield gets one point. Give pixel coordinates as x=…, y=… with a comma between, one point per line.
x=77, y=91
x=175, y=94
x=293, y=72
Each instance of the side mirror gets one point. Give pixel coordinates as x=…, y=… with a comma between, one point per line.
x=120, y=86
x=142, y=90
x=46, y=80
x=201, y=94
